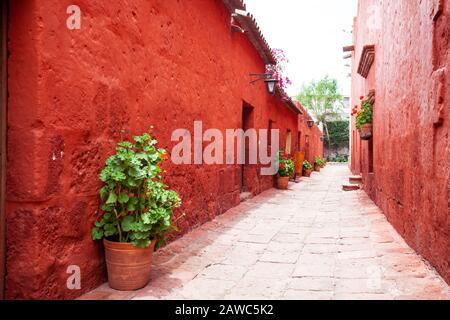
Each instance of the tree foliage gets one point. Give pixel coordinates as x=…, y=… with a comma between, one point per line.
x=339, y=134
x=322, y=100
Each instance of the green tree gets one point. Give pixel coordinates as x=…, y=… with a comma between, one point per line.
x=323, y=100
x=339, y=133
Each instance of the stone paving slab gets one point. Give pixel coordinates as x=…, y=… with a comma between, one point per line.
x=313, y=241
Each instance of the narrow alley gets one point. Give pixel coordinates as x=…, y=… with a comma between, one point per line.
x=314, y=241
x=224, y=150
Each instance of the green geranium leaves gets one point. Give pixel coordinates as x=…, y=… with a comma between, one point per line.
x=123, y=198
x=97, y=233
x=307, y=165
x=112, y=198
x=286, y=166
x=365, y=115
x=137, y=205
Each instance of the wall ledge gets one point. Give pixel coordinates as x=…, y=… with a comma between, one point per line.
x=366, y=60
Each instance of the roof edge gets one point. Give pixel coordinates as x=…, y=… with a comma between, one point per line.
x=252, y=31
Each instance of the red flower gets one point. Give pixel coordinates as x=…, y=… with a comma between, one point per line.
x=361, y=98
x=282, y=166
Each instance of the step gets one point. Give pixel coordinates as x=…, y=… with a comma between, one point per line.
x=355, y=179
x=350, y=187
x=245, y=196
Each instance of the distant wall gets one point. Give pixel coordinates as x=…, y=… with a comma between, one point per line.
x=310, y=141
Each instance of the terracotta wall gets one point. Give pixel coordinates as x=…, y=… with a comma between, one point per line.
x=410, y=179
x=73, y=94
x=310, y=138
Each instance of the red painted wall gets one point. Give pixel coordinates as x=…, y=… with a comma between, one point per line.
x=411, y=146
x=74, y=94
x=310, y=141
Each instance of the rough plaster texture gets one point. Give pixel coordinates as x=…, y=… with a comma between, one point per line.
x=73, y=94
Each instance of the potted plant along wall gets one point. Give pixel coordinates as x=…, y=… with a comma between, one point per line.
x=363, y=120
x=318, y=164
x=137, y=211
x=285, y=171
x=307, y=168
x=321, y=162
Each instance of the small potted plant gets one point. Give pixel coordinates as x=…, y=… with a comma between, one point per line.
x=307, y=168
x=285, y=171
x=317, y=164
x=137, y=211
x=363, y=120
x=323, y=162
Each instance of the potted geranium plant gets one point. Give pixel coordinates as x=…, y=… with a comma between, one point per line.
x=317, y=164
x=363, y=120
x=285, y=171
x=307, y=168
x=323, y=162
x=137, y=211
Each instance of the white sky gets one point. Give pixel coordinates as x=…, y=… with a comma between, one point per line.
x=311, y=33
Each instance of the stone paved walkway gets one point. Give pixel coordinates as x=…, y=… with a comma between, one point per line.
x=313, y=241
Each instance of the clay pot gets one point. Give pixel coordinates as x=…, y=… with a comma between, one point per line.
x=317, y=168
x=282, y=183
x=128, y=266
x=307, y=173
x=365, y=132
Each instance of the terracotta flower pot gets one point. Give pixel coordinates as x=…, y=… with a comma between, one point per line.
x=307, y=173
x=365, y=132
x=128, y=266
x=282, y=183
x=317, y=168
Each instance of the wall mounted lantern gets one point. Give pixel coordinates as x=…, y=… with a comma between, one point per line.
x=310, y=123
x=268, y=79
